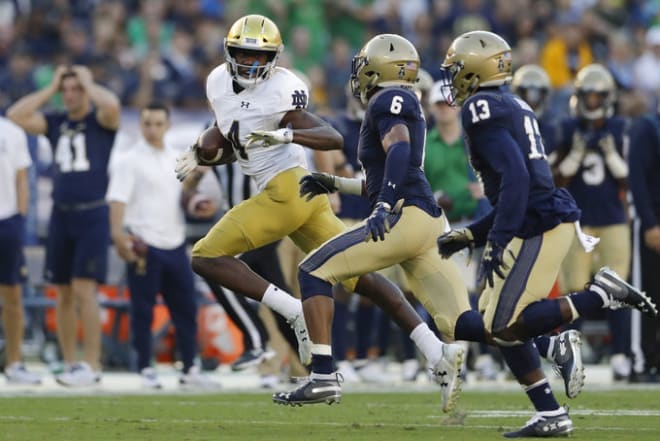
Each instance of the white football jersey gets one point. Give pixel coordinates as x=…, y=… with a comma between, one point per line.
x=260, y=107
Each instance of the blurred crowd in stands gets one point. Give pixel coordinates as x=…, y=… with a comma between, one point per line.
x=164, y=49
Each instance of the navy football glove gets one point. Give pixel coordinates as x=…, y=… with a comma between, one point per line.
x=315, y=184
x=454, y=241
x=492, y=262
x=380, y=220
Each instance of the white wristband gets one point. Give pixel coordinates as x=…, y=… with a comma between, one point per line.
x=348, y=185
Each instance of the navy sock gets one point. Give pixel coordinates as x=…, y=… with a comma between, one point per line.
x=542, y=343
x=339, y=331
x=541, y=317
x=587, y=303
x=322, y=364
x=619, y=321
x=522, y=359
x=470, y=327
x=540, y=394
x=364, y=320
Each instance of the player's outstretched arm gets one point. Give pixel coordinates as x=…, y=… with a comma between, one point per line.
x=324, y=183
x=311, y=131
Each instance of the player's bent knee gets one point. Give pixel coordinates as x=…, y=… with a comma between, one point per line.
x=508, y=337
x=311, y=286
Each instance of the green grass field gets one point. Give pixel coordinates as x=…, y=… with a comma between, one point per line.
x=616, y=415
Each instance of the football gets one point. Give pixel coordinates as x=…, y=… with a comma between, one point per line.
x=213, y=147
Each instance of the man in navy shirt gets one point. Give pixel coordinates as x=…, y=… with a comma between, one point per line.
x=529, y=230
x=81, y=137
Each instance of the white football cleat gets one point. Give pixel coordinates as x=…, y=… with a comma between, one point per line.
x=150, y=379
x=195, y=379
x=78, y=374
x=16, y=373
x=446, y=372
x=304, y=342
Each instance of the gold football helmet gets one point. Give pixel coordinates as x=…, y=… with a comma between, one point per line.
x=252, y=33
x=386, y=60
x=532, y=84
x=595, y=93
x=476, y=59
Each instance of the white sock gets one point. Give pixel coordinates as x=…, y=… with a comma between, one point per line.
x=574, y=311
x=550, y=354
x=427, y=342
x=321, y=349
x=552, y=413
x=282, y=302
x=603, y=295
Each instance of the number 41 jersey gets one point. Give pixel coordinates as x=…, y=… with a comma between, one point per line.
x=507, y=153
x=81, y=151
x=260, y=107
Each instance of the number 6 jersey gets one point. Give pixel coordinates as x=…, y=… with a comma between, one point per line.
x=260, y=107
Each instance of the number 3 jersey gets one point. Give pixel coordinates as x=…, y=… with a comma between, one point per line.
x=508, y=155
x=594, y=187
x=81, y=151
x=260, y=107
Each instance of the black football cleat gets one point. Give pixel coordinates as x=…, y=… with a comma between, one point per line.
x=544, y=427
x=316, y=389
x=567, y=358
x=622, y=294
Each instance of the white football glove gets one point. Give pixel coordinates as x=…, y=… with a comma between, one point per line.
x=186, y=162
x=269, y=137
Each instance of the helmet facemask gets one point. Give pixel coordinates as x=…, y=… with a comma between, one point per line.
x=249, y=75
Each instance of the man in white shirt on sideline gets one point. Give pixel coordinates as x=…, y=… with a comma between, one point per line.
x=148, y=231
x=14, y=196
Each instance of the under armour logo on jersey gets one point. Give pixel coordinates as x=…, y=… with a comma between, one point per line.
x=245, y=104
x=299, y=99
x=389, y=184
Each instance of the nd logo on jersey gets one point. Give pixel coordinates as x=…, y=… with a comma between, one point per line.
x=299, y=99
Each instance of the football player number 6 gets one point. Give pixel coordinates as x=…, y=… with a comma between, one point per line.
x=395, y=108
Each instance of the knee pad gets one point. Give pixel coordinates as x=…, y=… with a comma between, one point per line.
x=311, y=286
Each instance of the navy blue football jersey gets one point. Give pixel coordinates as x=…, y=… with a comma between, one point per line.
x=549, y=128
x=507, y=152
x=81, y=151
x=352, y=206
x=387, y=108
x=594, y=188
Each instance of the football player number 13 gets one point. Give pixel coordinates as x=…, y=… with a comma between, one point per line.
x=71, y=153
x=480, y=111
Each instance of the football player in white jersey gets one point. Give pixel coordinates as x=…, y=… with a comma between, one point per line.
x=260, y=109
